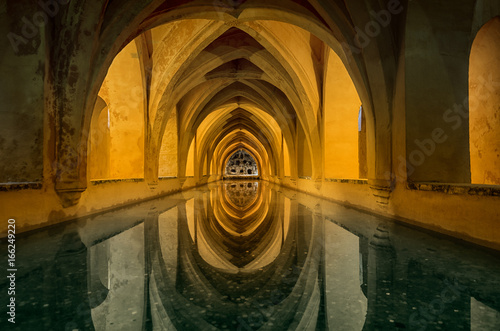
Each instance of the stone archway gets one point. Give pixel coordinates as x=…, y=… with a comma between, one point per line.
x=330, y=24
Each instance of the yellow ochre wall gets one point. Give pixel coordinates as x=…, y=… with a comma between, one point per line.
x=484, y=105
x=122, y=91
x=341, y=121
x=168, y=152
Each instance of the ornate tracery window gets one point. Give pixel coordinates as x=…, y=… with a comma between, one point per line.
x=241, y=164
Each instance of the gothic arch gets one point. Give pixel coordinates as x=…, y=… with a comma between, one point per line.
x=118, y=26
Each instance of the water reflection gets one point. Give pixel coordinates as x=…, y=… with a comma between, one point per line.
x=245, y=256
x=241, y=195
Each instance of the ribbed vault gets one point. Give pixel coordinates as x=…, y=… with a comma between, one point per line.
x=235, y=88
x=243, y=60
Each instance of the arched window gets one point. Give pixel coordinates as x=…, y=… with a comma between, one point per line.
x=241, y=164
x=484, y=101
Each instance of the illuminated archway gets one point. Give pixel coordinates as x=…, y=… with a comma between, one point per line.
x=263, y=22
x=99, y=141
x=484, y=98
x=241, y=164
x=118, y=151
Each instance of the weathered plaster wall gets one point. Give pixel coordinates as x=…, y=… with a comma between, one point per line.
x=484, y=105
x=286, y=160
x=99, y=146
x=471, y=217
x=294, y=45
x=304, y=159
x=123, y=92
x=168, y=152
x=341, y=109
x=436, y=55
x=22, y=73
x=36, y=208
x=190, y=159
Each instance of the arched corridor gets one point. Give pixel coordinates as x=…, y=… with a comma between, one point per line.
x=339, y=100
x=389, y=107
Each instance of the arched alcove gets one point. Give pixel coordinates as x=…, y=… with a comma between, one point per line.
x=304, y=154
x=286, y=160
x=343, y=125
x=121, y=154
x=190, y=163
x=99, y=142
x=484, y=101
x=169, y=149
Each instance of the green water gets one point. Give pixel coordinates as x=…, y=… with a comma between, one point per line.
x=248, y=256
